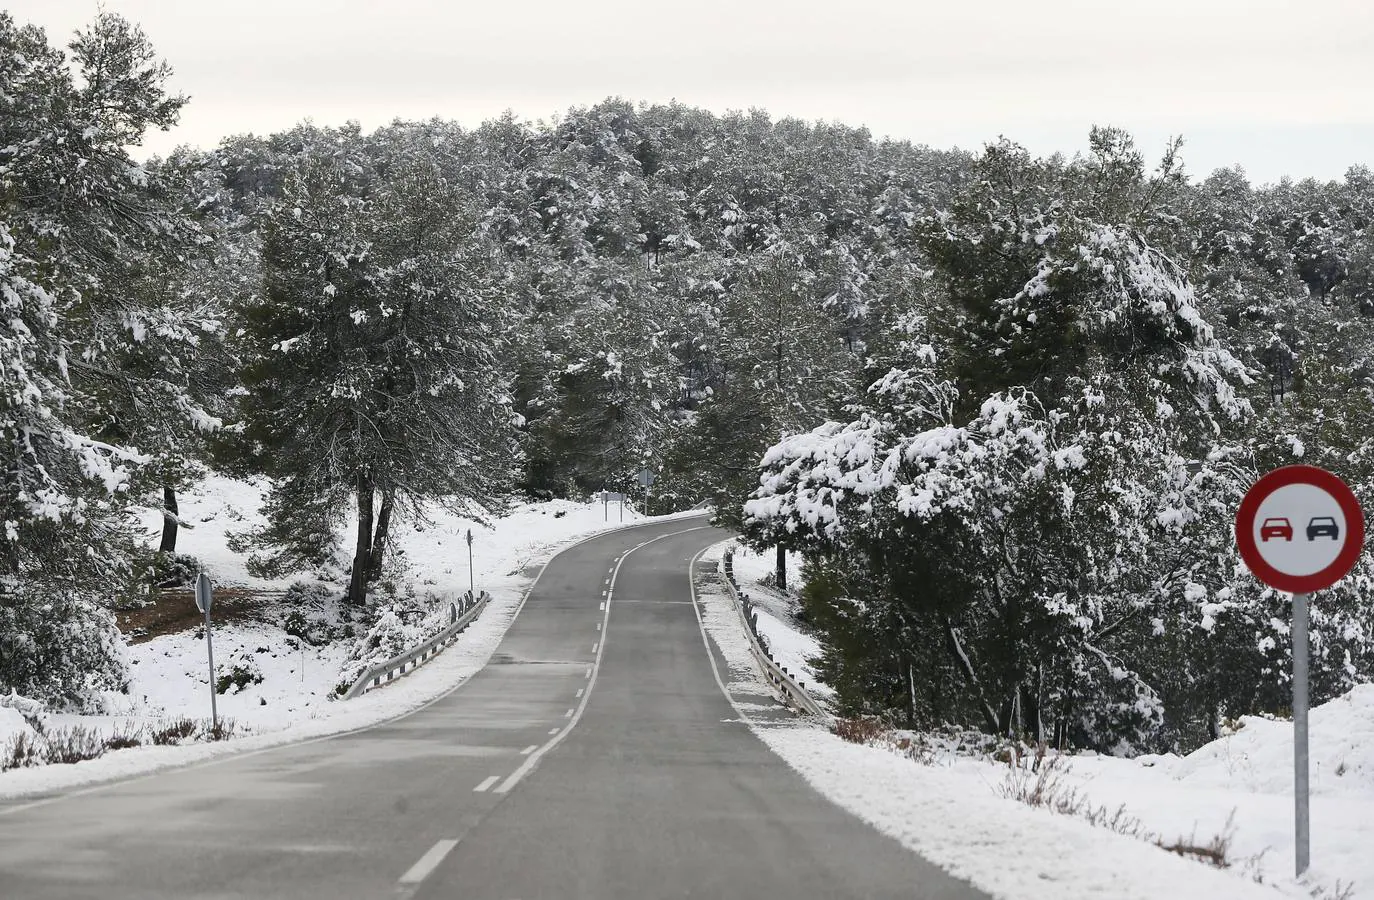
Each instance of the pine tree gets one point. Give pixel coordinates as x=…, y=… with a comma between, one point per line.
x=81, y=227
x=371, y=365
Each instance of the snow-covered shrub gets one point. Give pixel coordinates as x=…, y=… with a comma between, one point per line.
x=238, y=672
x=174, y=569
x=312, y=613
x=399, y=626
x=60, y=647
x=33, y=712
x=173, y=732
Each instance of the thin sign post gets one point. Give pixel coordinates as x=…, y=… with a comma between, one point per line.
x=1300, y=529
x=1302, y=813
x=204, y=600
x=646, y=480
x=472, y=579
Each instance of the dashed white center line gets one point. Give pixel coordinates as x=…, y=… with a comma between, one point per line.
x=553, y=731
x=487, y=783
x=568, y=714
x=598, y=626
x=428, y=863
x=574, y=715
x=530, y=749
x=603, y=604
x=579, y=692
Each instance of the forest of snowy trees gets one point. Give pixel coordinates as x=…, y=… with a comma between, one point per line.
x=1005, y=407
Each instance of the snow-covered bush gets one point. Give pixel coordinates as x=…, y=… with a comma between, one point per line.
x=238, y=672
x=399, y=626
x=60, y=647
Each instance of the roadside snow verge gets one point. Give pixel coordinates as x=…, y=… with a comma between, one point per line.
x=449, y=670
x=957, y=821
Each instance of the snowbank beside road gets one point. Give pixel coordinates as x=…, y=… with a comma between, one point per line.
x=953, y=812
x=1247, y=777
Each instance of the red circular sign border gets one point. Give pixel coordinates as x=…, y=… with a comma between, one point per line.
x=1350, y=508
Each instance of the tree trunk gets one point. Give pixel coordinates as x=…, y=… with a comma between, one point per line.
x=362, y=554
x=911, y=684
x=169, y=521
x=956, y=649
x=379, y=537
x=782, y=568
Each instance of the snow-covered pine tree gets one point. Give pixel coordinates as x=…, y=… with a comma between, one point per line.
x=372, y=366
x=1020, y=541
x=81, y=227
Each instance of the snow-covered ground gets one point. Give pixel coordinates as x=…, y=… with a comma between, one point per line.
x=169, y=674
x=951, y=809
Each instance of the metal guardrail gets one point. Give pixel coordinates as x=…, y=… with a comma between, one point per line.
x=793, y=691
x=407, y=662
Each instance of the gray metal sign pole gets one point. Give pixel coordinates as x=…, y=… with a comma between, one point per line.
x=1301, y=806
x=646, y=479
x=472, y=579
x=204, y=600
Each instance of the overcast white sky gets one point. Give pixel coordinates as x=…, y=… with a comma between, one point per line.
x=1279, y=87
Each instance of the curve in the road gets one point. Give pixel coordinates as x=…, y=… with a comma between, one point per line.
x=596, y=756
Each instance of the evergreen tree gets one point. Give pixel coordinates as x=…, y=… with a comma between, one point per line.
x=82, y=228
x=372, y=369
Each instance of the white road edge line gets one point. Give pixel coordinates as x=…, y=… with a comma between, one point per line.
x=706, y=642
x=428, y=863
x=234, y=755
x=486, y=783
x=592, y=672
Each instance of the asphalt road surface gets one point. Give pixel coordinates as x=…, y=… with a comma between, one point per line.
x=594, y=757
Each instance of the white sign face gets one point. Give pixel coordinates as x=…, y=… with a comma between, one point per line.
x=1299, y=529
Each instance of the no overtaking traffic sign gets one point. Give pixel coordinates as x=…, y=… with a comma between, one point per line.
x=1300, y=529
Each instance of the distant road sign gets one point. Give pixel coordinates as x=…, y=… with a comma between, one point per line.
x=1300, y=529
x=646, y=478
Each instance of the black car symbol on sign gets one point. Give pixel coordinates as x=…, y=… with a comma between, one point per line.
x=1323, y=526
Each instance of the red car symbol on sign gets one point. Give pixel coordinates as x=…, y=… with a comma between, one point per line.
x=1276, y=528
